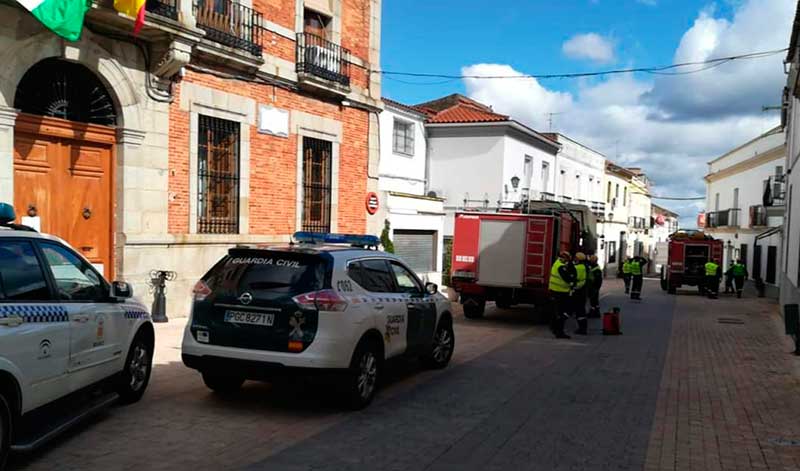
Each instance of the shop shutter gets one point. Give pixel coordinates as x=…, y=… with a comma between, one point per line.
x=416, y=248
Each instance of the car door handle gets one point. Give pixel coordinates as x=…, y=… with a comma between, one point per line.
x=378, y=307
x=11, y=321
x=80, y=319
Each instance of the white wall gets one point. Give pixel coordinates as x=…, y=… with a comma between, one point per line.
x=400, y=172
x=582, y=169
x=515, y=149
x=462, y=164
x=746, y=151
x=791, y=248
x=750, y=185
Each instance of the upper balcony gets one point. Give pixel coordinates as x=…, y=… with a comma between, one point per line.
x=230, y=23
x=726, y=218
x=638, y=223
x=322, y=63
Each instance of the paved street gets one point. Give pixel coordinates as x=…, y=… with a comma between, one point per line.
x=692, y=384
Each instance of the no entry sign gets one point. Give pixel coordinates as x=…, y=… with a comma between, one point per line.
x=373, y=203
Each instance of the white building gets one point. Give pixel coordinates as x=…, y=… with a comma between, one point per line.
x=663, y=223
x=737, y=209
x=580, y=171
x=416, y=220
x=625, y=229
x=479, y=158
x=789, y=269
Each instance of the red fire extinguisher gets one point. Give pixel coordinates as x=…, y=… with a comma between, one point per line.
x=612, y=322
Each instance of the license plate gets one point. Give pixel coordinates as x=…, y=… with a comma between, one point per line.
x=252, y=318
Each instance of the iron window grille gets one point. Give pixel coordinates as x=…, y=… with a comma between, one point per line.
x=218, y=176
x=403, y=139
x=317, y=190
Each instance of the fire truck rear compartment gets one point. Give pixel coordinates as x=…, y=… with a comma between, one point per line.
x=696, y=258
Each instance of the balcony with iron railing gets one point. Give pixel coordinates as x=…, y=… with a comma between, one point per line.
x=322, y=59
x=635, y=222
x=725, y=218
x=230, y=24
x=758, y=216
x=545, y=196
x=598, y=208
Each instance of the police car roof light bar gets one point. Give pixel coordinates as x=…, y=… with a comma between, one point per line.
x=7, y=217
x=356, y=240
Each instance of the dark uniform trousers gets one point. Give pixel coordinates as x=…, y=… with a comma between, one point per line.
x=626, y=278
x=579, y=303
x=594, y=301
x=562, y=307
x=739, y=280
x=636, y=286
x=712, y=285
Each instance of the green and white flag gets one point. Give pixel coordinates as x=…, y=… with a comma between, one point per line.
x=63, y=17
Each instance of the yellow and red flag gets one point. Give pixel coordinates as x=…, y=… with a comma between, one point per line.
x=134, y=8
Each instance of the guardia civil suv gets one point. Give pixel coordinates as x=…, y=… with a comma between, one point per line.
x=66, y=334
x=322, y=304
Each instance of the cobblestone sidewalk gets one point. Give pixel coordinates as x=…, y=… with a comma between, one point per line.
x=730, y=393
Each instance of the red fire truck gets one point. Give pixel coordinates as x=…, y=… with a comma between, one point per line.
x=688, y=253
x=506, y=256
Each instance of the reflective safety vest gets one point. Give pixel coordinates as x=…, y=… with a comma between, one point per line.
x=581, y=269
x=557, y=284
x=739, y=269
x=711, y=269
x=595, y=273
x=636, y=268
x=626, y=268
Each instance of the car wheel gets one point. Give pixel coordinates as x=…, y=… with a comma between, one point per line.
x=362, y=379
x=5, y=431
x=135, y=377
x=222, y=383
x=444, y=342
x=474, y=308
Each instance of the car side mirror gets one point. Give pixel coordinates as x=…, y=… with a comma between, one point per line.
x=431, y=288
x=121, y=290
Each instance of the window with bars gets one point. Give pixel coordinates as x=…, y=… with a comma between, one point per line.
x=317, y=191
x=217, y=176
x=403, y=137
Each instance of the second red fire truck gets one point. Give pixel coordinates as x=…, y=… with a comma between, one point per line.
x=688, y=253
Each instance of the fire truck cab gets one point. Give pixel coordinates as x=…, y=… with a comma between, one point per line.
x=506, y=256
x=688, y=252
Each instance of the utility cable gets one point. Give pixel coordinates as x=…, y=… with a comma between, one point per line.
x=658, y=70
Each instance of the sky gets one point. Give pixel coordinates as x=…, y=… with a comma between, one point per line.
x=670, y=125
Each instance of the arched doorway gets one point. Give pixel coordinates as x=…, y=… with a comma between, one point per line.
x=64, y=141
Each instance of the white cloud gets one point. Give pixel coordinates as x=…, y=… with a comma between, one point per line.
x=671, y=126
x=591, y=46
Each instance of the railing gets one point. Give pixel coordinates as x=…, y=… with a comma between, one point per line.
x=637, y=222
x=547, y=196
x=322, y=58
x=165, y=8
x=230, y=23
x=598, y=208
x=726, y=218
x=758, y=216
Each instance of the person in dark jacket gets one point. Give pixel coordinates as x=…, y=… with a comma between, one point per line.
x=729, y=278
x=739, y=273
x=595, y=283
x=563, y=281
x=637, y=276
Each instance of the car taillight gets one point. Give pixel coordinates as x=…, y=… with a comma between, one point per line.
x=325, y=300
x=201, y=291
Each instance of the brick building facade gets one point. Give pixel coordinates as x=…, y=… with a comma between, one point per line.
x=228, y=123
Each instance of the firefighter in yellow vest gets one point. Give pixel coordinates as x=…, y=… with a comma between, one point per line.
x=579, y=296
x=739, y=275
x=594, y=283
x=626, y=274
x=563, y=279
x=637, y=265
x=713, y=273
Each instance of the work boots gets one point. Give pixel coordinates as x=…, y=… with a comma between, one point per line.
x=582, y=326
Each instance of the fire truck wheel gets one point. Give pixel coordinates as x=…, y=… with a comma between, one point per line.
x=671, y=290
x=474, y=307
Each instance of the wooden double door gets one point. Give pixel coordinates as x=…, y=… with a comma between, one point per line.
x=63, y=173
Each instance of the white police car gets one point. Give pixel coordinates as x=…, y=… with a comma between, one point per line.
x=321, y=304
x=63, y=328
